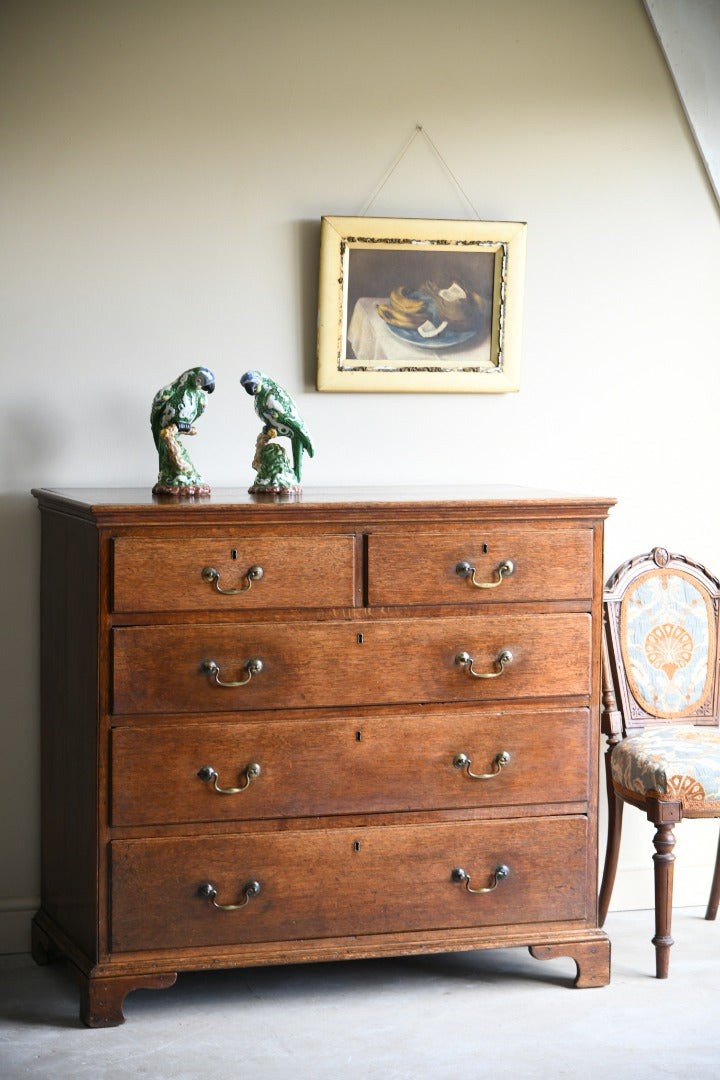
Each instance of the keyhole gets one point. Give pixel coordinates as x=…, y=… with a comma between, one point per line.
x=233, y=553
x=358, y=736
x=485, y=549
x=360, y=639
x=356, y=845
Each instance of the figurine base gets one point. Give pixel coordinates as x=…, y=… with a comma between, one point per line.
x=274, y=489
x=182, y=489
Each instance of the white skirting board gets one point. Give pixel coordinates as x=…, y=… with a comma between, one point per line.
x=16, y=914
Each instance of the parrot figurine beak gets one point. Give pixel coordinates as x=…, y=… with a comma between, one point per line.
x=251, y=380
x=206, y=380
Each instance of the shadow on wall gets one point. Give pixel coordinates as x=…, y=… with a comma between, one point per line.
x=33, y=441
x=307, y=246
x=34, y=445
x=20, y=716
x=19, y=638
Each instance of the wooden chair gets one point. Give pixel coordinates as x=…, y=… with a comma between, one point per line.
x=660, y=714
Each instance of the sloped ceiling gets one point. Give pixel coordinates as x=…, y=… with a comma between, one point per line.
x=689, y=34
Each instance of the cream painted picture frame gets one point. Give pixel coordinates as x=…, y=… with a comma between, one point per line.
x=426, y=306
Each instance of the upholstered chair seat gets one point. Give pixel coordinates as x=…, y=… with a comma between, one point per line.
x=675, y=763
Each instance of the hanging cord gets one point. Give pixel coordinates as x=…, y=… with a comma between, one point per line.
x=419, y=130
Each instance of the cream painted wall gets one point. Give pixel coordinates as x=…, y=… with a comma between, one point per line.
x=165, y=167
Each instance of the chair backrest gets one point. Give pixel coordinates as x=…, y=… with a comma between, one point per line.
x=661, y=629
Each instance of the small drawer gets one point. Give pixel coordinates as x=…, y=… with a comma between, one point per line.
x=508, y=564
x=236, y=772
x=335, y=882
x=163, y=669
x=233, y=573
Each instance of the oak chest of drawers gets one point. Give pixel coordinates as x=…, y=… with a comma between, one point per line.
x=355, y=724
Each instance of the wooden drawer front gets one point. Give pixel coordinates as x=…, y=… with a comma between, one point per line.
x=160, y=669
x=420, y=568
x=333, y=882
x=347, y=766
x=166, y=575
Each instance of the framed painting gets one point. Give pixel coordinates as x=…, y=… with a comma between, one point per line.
x=427, y=306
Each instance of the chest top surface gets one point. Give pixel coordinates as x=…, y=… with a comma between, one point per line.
x=125, y=505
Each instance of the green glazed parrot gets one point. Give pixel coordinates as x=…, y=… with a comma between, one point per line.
x=278, y=411
x=174, y=411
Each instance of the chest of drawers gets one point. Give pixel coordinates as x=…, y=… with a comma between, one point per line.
x=359, y=723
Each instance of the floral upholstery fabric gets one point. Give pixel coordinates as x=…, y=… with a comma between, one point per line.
x=676, y=762
x=667, y=633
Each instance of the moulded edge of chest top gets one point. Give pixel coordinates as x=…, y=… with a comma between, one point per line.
x=359, y=506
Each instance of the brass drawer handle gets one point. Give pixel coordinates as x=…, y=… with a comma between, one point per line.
x=499, y=874
x=210, y=776
x=209, y=893
x=504, y=657
x=462, y=761
x=467, y=570
x=210, y=574
x=253, y=667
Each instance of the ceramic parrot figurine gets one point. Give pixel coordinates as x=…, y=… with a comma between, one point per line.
x=174, y=411
x=280, y=416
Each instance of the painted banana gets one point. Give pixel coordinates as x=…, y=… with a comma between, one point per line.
x=400, y=318
x=402, y=302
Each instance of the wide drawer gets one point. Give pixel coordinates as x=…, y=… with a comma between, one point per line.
x=333, y=882
x=186, y=574
x=176, y=669
x=418, y=567
x=209, y=772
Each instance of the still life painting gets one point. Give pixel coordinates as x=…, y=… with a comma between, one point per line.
x=420, y=305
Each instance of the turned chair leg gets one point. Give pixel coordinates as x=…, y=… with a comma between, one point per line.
x=612, y=727
x=715, y=888
x=664, y=859
x=612, y=850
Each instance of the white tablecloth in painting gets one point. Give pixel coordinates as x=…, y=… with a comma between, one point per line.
x=375, y=345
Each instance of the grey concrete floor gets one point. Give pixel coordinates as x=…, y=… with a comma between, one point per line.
x=465, y=1016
